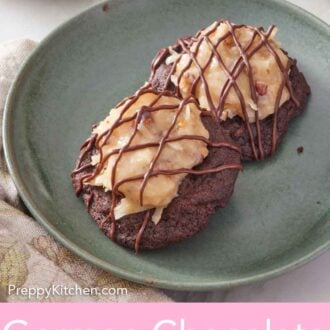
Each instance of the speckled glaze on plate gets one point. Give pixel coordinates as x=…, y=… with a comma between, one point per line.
x=279, y=216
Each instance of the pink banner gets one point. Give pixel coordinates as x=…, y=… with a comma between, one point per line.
x=165, y=316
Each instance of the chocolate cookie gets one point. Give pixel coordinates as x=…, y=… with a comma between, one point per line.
x=255, y=126
x=206, y=187
x=289, y=110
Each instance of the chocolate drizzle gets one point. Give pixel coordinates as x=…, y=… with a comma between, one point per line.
x=96, y=142
x=141, y=231
x=242, y=63
x=90, y=200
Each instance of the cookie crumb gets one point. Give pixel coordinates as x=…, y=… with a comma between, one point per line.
x=300, y=150
x=105, y=7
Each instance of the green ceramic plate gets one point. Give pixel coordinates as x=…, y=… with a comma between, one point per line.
x=279, y=216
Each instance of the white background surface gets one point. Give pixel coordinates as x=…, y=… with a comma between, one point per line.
x=34, y=19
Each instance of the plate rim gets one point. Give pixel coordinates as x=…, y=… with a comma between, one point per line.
x=7, y=128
